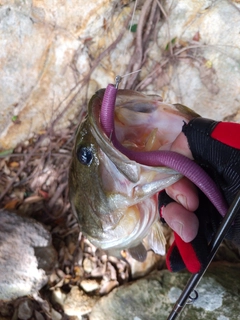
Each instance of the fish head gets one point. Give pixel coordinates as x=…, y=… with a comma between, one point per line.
x=115, y=199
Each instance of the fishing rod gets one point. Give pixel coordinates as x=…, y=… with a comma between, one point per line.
x=222, y=231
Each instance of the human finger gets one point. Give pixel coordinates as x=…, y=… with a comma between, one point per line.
x=182, y=221
x=180, y=145
x=185, y=193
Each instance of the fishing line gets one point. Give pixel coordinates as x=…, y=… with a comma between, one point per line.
x=129, y=31
x=119, y=78
x=128, y=74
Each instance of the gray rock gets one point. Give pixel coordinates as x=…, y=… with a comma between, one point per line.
x=26, y=255
x=153, y=297
x=25, y=309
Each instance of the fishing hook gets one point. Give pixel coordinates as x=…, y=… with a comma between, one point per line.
x=118, y=79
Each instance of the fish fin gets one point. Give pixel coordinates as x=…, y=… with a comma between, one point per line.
x=156, y=239
x=189, y=113
x=114, y=253
x=138, y=253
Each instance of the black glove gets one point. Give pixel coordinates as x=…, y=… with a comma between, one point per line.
x=215, y=146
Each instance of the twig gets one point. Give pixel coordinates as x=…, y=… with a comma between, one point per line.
x=168, y=27
x=136, y=60
x=57, y=194
x=149, y=24
x=150, y=32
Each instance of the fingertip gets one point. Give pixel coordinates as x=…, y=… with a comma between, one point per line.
x=182, y=221
x=185, y=193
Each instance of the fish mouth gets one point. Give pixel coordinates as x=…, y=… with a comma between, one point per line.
x=129, y=168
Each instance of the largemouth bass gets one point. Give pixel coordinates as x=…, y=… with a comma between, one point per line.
x=115, y=199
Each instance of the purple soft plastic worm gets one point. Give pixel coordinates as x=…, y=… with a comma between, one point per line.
x=107, y=109
x=169, y=159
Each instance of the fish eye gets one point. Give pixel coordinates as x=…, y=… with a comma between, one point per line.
x=85, y=155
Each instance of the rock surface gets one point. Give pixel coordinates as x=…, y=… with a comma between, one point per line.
x=26, y=256
x=78, y=303
x=140, y=269
x=25, y=309
x=48, y=49
x=44, y=60
x=202, y=78
x=153, y=297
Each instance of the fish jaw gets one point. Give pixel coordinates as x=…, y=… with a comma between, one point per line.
x=122, y=192
x=132, y=228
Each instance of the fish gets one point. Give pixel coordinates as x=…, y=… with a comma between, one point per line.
x=115, y=199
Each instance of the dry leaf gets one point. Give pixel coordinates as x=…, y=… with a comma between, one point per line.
x=14, y=164
x=12, y=204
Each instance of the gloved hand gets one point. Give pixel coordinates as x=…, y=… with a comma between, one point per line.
x=215, y=146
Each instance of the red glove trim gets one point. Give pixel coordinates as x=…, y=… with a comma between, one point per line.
x=227, y=133
x=188, y=254
x=168, y=257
